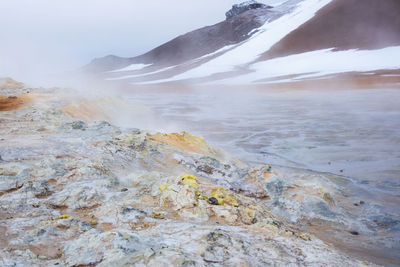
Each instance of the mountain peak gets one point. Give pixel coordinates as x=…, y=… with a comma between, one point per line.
x=243, y=7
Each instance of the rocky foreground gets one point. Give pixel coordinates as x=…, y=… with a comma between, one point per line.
x=75, y=193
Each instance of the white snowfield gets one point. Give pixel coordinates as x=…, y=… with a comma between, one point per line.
x=139, y=75
x=132, y=67
x=320, y=63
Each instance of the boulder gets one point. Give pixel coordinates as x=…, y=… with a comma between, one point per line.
x=243, y=7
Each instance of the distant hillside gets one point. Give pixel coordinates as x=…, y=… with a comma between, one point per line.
x=236, y=28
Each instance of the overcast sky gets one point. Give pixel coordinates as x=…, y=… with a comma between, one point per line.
x=56, y=35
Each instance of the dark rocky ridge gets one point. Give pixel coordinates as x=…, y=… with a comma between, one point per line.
x=197, y=43
x=243, y=7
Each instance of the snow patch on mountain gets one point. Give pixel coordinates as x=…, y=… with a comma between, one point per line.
x=322, y=62
x=140, y=75
x=132, y=67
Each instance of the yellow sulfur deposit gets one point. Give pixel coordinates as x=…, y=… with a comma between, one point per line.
x=219, y=194
x=306, y=238
x=224, y=197
x=93, y=223
x=183, y=141
x=190, y=180
x=198, y=194
x=164, y=187
x=62, y=217
x=231, y=200
x=157, y=215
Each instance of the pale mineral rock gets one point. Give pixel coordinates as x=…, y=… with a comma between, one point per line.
x=83, y=193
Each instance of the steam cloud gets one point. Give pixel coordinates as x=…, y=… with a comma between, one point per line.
x=45, y=36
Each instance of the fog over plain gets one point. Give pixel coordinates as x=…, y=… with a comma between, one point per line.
x=46, y=36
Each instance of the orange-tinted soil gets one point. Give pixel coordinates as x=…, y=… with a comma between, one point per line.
x=8, y=103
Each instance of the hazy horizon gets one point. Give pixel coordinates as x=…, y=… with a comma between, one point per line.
x=46, y=36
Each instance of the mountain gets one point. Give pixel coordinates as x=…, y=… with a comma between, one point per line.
x=238, y=26
x=297, y=40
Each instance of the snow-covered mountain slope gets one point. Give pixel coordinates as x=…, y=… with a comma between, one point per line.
x=297, y=40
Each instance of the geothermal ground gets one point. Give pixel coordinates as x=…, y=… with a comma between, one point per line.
x=76, y=190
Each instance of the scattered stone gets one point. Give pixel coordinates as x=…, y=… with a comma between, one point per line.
x=354, y=233
x=78, y=125
x=213, y=201
x=214, y=254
